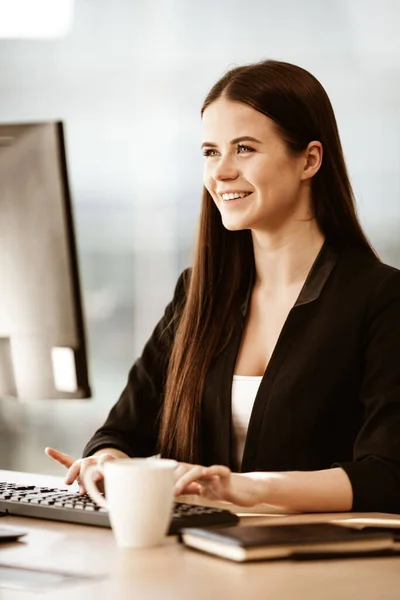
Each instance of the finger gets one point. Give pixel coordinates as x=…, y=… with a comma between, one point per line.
x=214, y=473
x=219, y=470
x=181, y=469
x=85, y=463
x=61, y=457
x=192, y=488
x=98, y=475
x=184, y=465
x=194, y=474
x=73, y=472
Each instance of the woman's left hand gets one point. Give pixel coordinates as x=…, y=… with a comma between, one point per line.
x=216, y=483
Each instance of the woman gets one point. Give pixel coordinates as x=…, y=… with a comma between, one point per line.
x=273, y=374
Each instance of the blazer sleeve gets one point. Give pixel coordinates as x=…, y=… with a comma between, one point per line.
x=375, y=470
x=132, y=424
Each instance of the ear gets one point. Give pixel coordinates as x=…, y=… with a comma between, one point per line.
x=313, y=159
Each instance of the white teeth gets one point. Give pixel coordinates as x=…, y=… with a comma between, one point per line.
x=234, y=195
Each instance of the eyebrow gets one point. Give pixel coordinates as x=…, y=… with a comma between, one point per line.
x=244, y=138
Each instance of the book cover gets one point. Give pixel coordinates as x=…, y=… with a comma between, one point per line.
x=242, y=543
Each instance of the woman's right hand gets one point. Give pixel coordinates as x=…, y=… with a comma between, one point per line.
x=76, y=468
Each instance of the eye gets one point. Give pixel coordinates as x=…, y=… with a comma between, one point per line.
x=244, y=149
x=241, y=148
x=209, y=152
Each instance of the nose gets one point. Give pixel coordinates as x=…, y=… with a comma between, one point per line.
x=225, y=168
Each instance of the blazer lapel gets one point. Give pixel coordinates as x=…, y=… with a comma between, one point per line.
x=217, y=406
x=293, y=327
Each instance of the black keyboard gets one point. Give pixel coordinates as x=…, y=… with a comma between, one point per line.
x=60, y=505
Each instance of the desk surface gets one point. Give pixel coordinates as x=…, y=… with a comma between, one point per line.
x=174, y=572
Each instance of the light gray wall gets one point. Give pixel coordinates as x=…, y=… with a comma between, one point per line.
x=128, y=84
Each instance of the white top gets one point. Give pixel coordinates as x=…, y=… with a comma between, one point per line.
x=244, y=391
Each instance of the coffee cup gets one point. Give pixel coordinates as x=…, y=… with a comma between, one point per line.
x=139, y=497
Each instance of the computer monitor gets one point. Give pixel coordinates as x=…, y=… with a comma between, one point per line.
x=42, y=338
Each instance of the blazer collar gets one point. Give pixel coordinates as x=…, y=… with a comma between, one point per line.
x=316, y=279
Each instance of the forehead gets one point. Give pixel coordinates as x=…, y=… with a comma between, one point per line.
x=225, y=118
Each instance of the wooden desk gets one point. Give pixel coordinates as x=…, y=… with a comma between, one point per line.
x=172, y=572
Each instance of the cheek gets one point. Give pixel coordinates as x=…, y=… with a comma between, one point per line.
x=277, y=181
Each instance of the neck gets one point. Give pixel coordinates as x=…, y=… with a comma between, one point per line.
x=284, y=259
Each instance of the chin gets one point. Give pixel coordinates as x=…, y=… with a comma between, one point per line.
x=235, y=224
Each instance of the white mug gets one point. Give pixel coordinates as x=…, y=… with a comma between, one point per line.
x=140, y=496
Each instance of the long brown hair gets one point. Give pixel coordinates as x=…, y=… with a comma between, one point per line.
x=298, y=104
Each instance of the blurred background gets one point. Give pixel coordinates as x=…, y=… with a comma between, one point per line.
x=128, y=81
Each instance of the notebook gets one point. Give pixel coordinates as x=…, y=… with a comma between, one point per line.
x=245, y=543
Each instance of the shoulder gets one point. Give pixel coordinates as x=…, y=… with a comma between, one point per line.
x=367, y=272
x=182, y=285
x=175, y=308
x=375, y=284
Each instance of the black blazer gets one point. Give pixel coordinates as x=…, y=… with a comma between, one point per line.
x=330, y=395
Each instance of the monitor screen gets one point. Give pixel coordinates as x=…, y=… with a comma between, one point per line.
x=42, y=338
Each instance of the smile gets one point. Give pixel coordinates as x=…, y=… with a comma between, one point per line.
x=235, y=195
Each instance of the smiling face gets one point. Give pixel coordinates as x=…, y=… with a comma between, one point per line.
x=245, y=155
